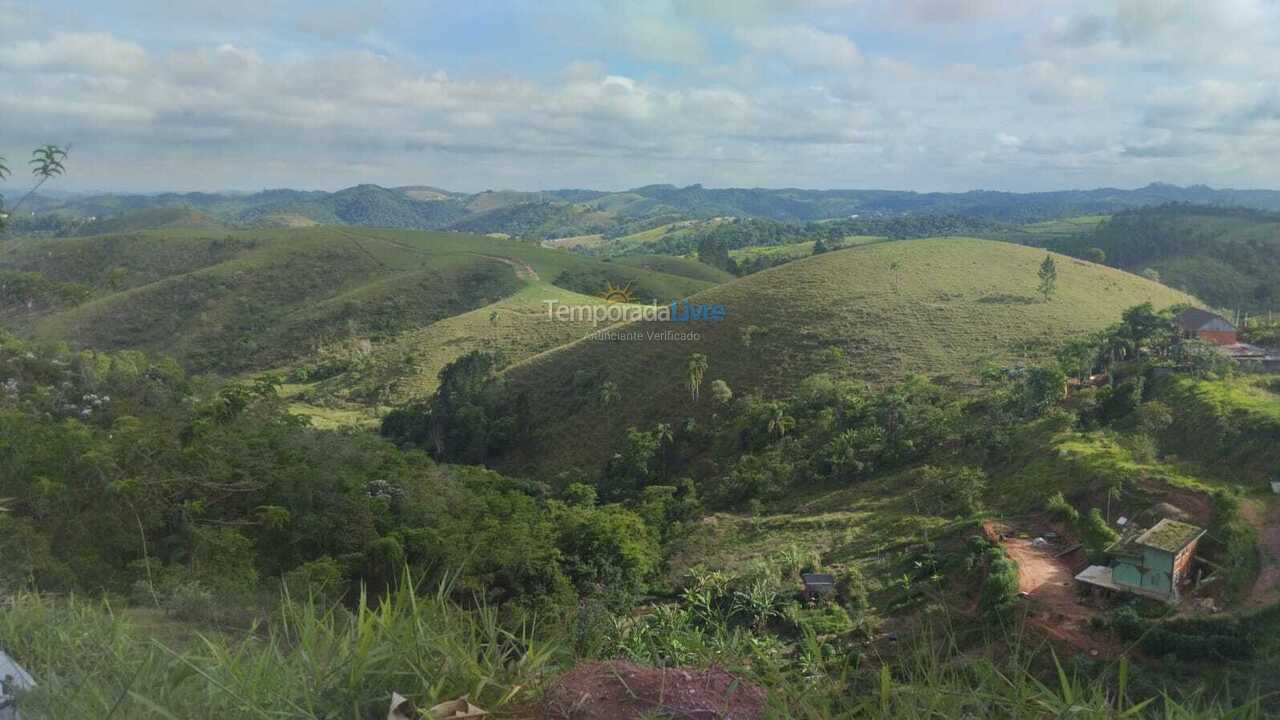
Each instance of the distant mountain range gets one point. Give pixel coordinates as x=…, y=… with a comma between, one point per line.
x=571, y=212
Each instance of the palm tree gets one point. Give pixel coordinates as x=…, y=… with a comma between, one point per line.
x=47, y=160
x=663, y=433
x=608, y=393
x=697, y=368
x=780, y=423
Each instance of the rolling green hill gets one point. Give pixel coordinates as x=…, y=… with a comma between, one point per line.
x=249, y=300
x=942, y=307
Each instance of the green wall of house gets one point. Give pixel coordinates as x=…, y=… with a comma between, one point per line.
x=1153, y=571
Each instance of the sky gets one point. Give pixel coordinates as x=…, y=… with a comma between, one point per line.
x=928, y=95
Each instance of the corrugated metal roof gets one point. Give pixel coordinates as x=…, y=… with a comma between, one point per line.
x=1194, y=319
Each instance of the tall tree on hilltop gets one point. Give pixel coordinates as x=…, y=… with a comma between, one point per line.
x=1048, y=277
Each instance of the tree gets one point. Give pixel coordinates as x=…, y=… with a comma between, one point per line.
x=721, y=392
x=713, y=251
x=1095, y=255
x=1151, y=274
x=1078, y=357
x=780, y=423
x=1048, y=277
x=697, y=368
x=820, y=247
x=609, y=393
x=47, y=162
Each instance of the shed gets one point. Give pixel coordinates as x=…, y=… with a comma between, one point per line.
x=817, y=584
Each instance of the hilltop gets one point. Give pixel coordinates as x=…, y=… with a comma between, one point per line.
x=943, y=307
x=557, y=214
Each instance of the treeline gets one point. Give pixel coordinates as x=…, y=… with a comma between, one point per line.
x=1229, y=257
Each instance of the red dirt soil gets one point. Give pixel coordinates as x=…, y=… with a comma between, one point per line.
x=618, y=690
x=1049, y=584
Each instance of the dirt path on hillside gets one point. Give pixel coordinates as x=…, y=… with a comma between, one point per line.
x=1264, y=516
x=524, y=270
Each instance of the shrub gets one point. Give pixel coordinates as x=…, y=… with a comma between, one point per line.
x=1094, y=531
x=1000, y=588
x=1059, y=508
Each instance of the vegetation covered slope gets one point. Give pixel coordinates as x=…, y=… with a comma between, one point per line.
x=1230, y=257
x=943, y=307
x=254, y=299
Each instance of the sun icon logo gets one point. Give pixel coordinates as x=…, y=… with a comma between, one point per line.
x=614, y=294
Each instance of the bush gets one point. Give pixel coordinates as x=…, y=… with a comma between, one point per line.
x=1233, y=545
x=1094, y=531
x=322, y=580
x=1059, y=508
x=1000, y=588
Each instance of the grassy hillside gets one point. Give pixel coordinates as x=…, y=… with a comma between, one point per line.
x=254, y=299
x=942, y=306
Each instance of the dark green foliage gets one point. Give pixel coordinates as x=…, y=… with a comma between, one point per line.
x=471, y=415
x=1026, y=392
x=714, y=251
x=32, y=292
x=120, y=471
x=1000, y=587
x=957, y=489
x=1232, y=544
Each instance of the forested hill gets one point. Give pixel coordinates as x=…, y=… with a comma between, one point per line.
x=1229, y=257
x=564, y=213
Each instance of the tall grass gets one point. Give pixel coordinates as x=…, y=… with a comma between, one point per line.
x=311, y=662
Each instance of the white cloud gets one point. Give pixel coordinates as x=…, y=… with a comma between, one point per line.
x=766, y=92
x=87, y=52
x=802, y=47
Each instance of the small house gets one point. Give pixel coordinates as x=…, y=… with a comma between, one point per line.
x=1153, y=563
x=817, y=585
x=1207, y=326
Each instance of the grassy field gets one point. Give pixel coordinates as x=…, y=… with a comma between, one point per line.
x=798, y=250
x=1077, y=224
x=255, y=299
x=943, y=307
x=678, y=266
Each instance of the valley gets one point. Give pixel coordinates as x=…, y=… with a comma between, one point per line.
x=311, y=457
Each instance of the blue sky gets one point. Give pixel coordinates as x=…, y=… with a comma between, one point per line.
x=905, y=94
